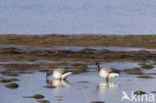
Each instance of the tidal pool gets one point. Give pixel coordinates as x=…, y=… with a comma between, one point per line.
x=80, y=88
x=37, y=61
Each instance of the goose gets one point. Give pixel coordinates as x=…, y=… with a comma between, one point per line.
x=107, y=73
x=59, y=74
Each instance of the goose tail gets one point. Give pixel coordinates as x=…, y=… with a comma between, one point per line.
x=64, y=76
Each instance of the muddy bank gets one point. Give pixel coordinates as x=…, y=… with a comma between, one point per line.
x=19, y=69
x=14, y=54
x=27, y=61
x=57, y=40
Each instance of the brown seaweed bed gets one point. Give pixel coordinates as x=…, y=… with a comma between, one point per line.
x=58, y=40
x=14, y=54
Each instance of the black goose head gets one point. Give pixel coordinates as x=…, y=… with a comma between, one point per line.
x=98, y=66
x=48, y=73
x=96, y=63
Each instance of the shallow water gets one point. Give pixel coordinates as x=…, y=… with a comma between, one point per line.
x=8, y=46
x=74, y=91
x=84, y=87
x=117, y=65
x=80, y=48
x=37, y=61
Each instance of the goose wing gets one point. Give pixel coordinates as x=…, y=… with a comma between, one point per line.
x=64, y=72
x=114, y=71
x=65, y=75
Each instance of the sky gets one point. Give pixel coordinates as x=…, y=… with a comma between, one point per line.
x=78, y=16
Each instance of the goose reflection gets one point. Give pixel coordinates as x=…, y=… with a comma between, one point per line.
x=106, y=87
x=58, y=83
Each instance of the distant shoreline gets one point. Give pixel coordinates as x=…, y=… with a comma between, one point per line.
x=58, y=40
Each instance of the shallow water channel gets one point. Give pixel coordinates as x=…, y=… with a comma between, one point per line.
x=80, y=48
x=80, y=88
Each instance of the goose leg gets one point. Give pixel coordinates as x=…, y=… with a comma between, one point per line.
x=107, y=79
